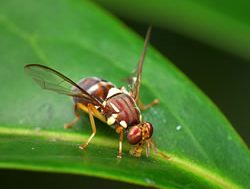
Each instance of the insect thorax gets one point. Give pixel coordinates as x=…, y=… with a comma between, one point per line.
x=124, y=109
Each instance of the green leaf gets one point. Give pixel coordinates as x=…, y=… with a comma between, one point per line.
x=80, y=39
x=224, y=24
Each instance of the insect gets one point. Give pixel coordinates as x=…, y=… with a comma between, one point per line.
x=101, y=99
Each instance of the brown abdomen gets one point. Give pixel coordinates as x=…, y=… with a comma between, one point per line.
x=128, y=110
x=95, y=86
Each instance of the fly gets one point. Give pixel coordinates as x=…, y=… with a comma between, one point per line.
x=101, y=99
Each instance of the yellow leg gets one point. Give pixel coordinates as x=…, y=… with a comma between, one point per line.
x=75, y=120
x=158, y=152
x=79, y=106
x=147, y=148
x=97, y=114
x=119, y=130
x=91, y=110
x=144, y=107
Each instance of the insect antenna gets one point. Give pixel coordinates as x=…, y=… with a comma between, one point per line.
x=140, y=65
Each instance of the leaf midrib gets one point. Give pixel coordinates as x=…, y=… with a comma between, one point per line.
x=199, y=171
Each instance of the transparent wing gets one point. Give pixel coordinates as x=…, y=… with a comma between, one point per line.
x=135, y=80
x=50, y=79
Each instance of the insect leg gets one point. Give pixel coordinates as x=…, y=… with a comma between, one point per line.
x=147, y=148
x=119, y=130
x=91, y=110
x=144, y=107
x=157, y=151
x=74, y=121
x=98, y=114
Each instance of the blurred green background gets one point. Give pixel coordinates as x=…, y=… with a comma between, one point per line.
x=220, y=68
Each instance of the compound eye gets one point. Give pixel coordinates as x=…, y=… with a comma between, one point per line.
x=134, y=135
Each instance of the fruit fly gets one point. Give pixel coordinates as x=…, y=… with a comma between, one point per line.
x=99, y=98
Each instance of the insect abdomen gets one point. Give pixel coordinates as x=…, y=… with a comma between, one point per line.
x=94, y=86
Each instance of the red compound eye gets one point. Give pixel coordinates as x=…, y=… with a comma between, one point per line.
x=134, y=135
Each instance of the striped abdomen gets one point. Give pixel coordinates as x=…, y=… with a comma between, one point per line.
x=95, y=86
x=125, y=108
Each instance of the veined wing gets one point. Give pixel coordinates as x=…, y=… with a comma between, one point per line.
x=50, y=79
